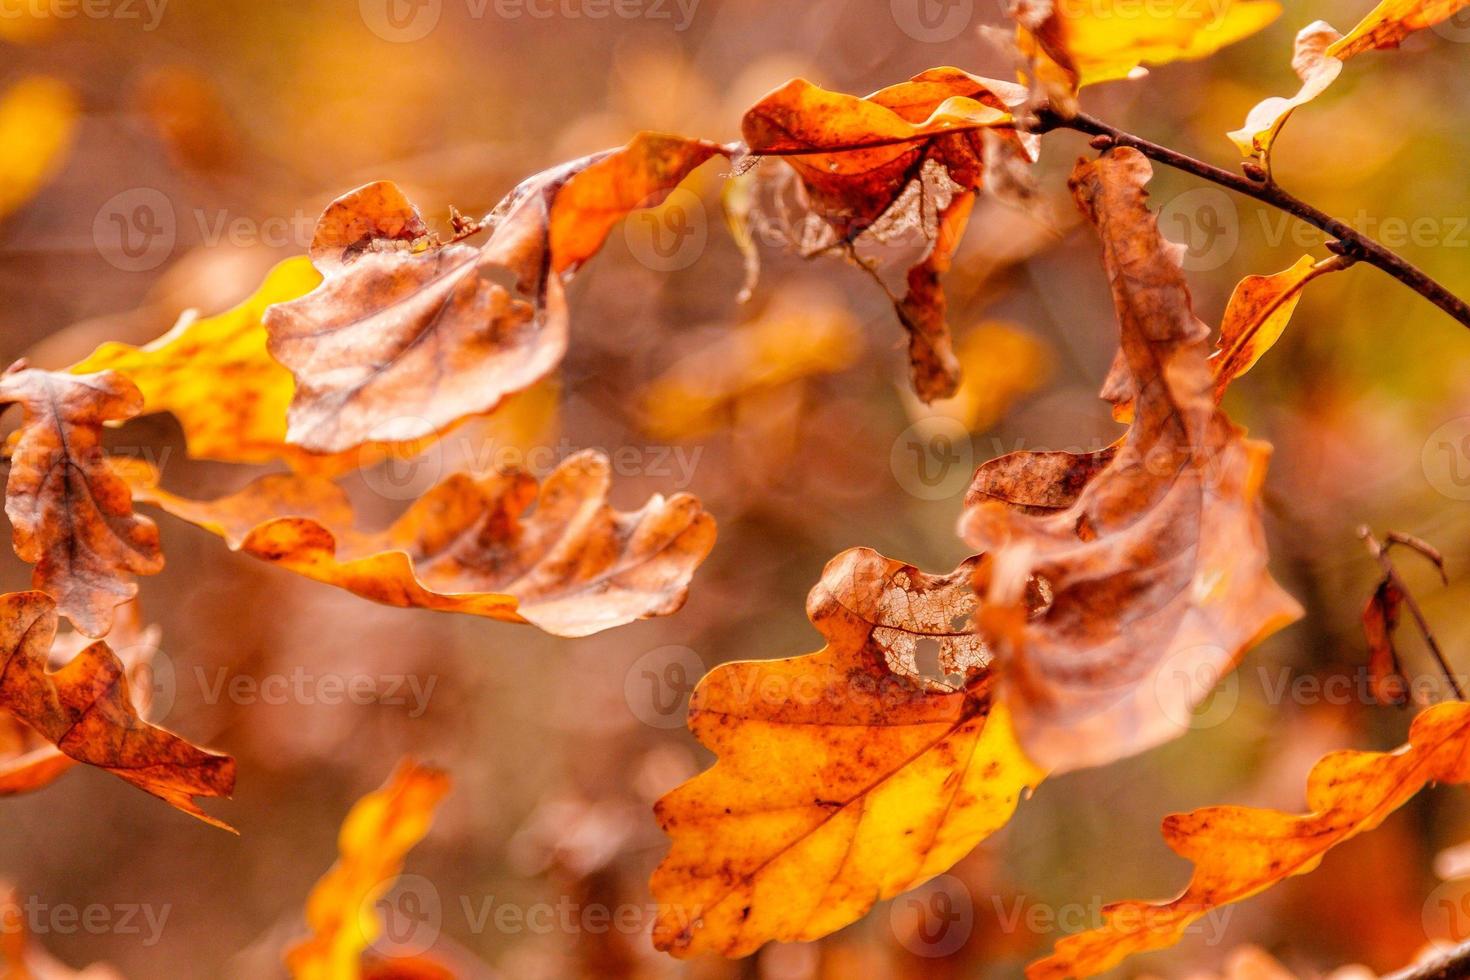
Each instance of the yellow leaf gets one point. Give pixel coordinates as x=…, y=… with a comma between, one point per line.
x=38, y=121
x=1258, y=312
x=1393, y=20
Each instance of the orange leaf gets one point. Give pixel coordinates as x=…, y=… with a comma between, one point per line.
x=84, y=708
x=1151, y=552
x=379, y=831
x=71, y=516
x=1393, y=20
x=408, y=334
x=844, y=776
x=1241, y=851
x=574, y=566
x=1257, y=314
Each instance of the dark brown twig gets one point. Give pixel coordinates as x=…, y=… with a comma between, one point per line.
x=1391, y=575
x=1453, y=965
x=1349, y=242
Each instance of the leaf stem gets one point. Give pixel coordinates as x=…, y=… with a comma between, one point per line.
x=1391, y=574
x=1349, y=241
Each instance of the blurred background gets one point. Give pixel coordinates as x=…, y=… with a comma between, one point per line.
x=158, y=158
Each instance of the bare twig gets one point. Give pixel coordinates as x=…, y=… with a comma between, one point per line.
x=1349, y=242
x=1391, y=575
x=1453, y=965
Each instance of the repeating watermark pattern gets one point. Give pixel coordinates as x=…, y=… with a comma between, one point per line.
x=147, y=14
x=932, y=21
x=1393, y=231
x=933, y=459
x=669, y=236
x=138, y=229
x=936, y=919
x=1205, y=222
x=29, y=915
x=1446, y=913
x=405, y=475
x=1455, y=28
x=1022, y=914
x=406, y=21
x=156, y=672
x=657, y=686
x=1445, y=458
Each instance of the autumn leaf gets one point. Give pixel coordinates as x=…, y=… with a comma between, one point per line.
x=1317, y=58
x=1241, y=851
x=1380, y=619
x=379, y=831
x=1257, y=314
x=85, y=709
x=572, y=566
x=71, y=516
x=845, y=776
x=1387, y=24
x=28, y=761
x=1000, y=363
x=407, y=334
x=217, y=378
x=1088, y=41
x=905, y=158
x=38, y=122
x=1151, y=552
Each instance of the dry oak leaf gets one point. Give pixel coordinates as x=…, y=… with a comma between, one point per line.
x=1380, y=618
x=85, y=709
x=28, y=761
x=406, y=334
x=905, y=158
x=1241, y=851
x=844, y=776
x=217, y=378
x=572, y=566
x=378, y=832
x=1151, y=552
x=1081, y=42
x=71, y=516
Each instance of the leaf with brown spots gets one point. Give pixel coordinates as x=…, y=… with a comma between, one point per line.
x=572, y=565
x=85, y=709
x=1241, y=851
x=378, y=832
x=408, y=334
x=844, y=776
x=1151, y=552
x=71, y=516
x=1387, y=24
x=905, y=159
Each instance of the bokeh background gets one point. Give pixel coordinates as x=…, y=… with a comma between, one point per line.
x=231, y=124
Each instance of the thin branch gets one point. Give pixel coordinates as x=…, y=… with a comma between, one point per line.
x=1453, y=965
x=1349, y=241
x=1391, y=575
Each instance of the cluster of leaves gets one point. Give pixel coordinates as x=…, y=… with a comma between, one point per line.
x=843, y=776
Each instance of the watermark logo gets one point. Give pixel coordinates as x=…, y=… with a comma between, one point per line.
x=669, y=236
x=1192, y=690
x=933, y=458
x=658, y=685
x=935, y=919
x=1446, y=458
x=932, y=21
x=401, y=21
x=409, y=916
x=1455, y=28
x=1205, y=222
x=135, y=229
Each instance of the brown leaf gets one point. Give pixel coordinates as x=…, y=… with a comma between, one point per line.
x=376, y=835
x=1241, y=851
x=572, y=566
x=1380, y=619
x=936, y=370
x=84, y=708
x=845, y=776
x=1151, y=553
x=406, y=335
x=71, y=516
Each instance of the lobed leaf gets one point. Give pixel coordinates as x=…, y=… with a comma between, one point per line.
x=71, y=516
x=1151, y=553
x=85, y=709
x=572, y=566
x=1241, y=851
x=844, y=776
